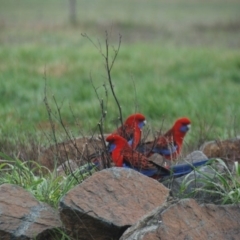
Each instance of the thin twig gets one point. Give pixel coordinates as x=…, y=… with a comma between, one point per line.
x=49, y=111
x=108, y=69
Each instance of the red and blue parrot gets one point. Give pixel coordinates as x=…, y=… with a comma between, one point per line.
x=124, y=156
x=132, y=129
x=170, y=144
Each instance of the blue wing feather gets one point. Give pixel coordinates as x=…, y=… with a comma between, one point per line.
x=165, y=151
x=183, y=169
x=175, y=171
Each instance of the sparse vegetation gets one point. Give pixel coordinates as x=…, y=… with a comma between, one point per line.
x=188, y=70
x=48, y=188
x=178, y=63
x=226, y=186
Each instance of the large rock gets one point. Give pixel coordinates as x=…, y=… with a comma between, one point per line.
x=104, y=205
x=228, y=150
x=195, y=156
x=23, y=217
x=188, y=220
x=185, y=186
x=67, y=167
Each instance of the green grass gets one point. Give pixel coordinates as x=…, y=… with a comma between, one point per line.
x=45, y=186
x=180, y=57
x=222, y=184
x=177, y=57
x=202, y=84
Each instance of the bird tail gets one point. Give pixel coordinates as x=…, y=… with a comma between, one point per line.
x=183, y=169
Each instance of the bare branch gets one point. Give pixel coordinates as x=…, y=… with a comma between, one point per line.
x=49, y=111
x=109, y=77
x=98, y=48
x=116, y=51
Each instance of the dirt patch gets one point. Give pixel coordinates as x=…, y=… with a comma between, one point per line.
x=219, y=26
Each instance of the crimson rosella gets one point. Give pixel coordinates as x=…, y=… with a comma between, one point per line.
x=170, y=144
x=132, y=129
x=124, y=156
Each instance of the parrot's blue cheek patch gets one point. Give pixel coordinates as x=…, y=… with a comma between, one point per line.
x=184, y=128
x=111, y=147
x=141, y=124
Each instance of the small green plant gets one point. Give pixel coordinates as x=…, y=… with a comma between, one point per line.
x=233, y=188
x=223, y=184
x=48, y=188
x=74, y=178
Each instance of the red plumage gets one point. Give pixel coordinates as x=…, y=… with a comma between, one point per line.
x=123, y=153
x=131, y=129
x=170, y=144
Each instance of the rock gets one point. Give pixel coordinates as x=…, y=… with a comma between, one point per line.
x=192, y=157
x=195, y=156
x=228, y=150
x=159, y=160
x=23, y=217
x=78, y=150
x=108, y=202
x=188, y=220
x=67, y=167
x=185, y=185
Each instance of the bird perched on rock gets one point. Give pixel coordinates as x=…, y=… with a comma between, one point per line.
x=170, y=144
x=132, y=128
x=124, y=156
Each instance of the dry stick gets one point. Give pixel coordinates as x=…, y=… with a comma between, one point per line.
x=53, y=126
x=109, y=68
x=101, y=102
x=108, y=65
x=66, y=131
x=50, y=114
x=89, y=157
x=108, y=159
x=100, y=123
x=61, y=121
x=68, y=135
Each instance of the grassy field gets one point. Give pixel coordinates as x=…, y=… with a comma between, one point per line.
x=176, y=58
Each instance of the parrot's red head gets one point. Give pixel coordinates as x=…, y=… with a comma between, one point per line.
x=115, y=147
x=136, y=119
x=182, y=124
x=132, y=128
x=180, y=128
x=116, y=139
